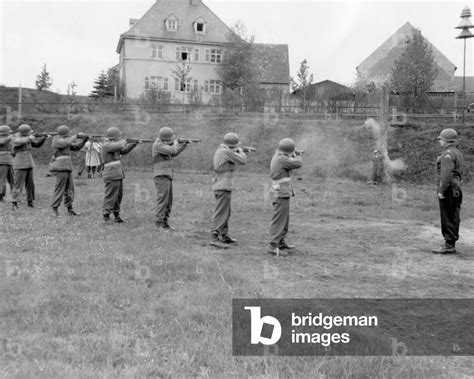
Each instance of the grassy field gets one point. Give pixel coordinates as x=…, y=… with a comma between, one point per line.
x=82, y=299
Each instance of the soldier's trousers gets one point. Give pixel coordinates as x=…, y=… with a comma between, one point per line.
x=450, y=209
x=112, y=196
x=280, y=220
x=164, y=198
x=6, y=176
x=64, y=187
x=23, y=177
x=220, y=219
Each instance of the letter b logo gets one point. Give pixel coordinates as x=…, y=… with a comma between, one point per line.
x=256, y=327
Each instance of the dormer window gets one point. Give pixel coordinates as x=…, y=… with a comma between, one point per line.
x=200, y=26
x=171, y=23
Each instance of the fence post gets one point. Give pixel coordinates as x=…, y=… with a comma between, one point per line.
x=384, y=118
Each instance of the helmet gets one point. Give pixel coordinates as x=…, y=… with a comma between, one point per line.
x=448, y=135
x=231, y=139
x=4, y=130
x=166, y=134
x=286, y=145
x=25, y=130
x=113, y=132
x=63, y=130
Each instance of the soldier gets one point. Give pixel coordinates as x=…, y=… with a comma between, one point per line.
x=226, y=157
x=113, y=173
x=6, y=171
x=61, y=167
x=285, y=160
x=377, y=167
x=449, y=175
x=164, y=149
x=23, y=163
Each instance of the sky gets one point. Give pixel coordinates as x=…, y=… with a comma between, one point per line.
x=77, y=39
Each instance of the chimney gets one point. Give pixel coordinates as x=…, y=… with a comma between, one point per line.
x=195, y=2
x=132, y=21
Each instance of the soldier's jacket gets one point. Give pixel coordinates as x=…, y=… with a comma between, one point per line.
x=6, y=151
x=377, y=160
x=163, y=155
x=225, y=159
x=61, y=160
x=280, y=172
x=449, y=168
x=111, y=152
x=22, y=146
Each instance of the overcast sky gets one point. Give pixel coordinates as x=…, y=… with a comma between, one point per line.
x=77, y=39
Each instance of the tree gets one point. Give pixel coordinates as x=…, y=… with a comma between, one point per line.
x=101, y=87
x=237, y=70
x=302, y=83
x=43, y=79
x=415, y=71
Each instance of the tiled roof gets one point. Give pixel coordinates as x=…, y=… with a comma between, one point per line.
x=152, y=24
x=272, y=61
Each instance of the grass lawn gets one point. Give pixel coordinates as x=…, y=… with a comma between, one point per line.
x=82, y=299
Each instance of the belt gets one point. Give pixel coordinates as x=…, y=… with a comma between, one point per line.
x=113, y=163
x=282, y=180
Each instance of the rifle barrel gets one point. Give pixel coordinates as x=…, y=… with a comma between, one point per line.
x=184, y=140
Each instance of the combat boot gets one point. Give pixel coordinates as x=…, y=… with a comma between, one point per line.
x=14, y=205
x=55, y=212
x=447, y=248
x=284, y=246
x=228, y=239
x=30, y=204
x=106, y=217
x=167, y=226
x=71, y=212
x=215, y=241
x=275, y=250
x=117, y=218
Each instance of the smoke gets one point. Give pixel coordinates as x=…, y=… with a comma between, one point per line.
x=380, y=140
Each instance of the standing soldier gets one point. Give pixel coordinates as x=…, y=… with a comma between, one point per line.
x=226, y=157
x=23, y=163
x=113, y=173
x=377, y=167
x=61, y=167
x=285, y=160
x=6, y=171
x=449, y=174
x=165, y=148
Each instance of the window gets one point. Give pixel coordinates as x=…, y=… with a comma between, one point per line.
x=196, y=55
x=200, y=27
x=171, y=25
x=185, y=54
x=180, y=86
x=213, y=86
x=195, y=87
x=156, y=82
x=157, y=52
x=214, y=55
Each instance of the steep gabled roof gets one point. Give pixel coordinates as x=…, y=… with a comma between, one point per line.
x=273, y=64
x=152, y=24
x=378, y=65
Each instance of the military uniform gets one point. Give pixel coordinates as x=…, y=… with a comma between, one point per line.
x=113, y=175
x=225, y=160
x=61, y=167
x=6, y=171
x=23, y=165
x=280, y=171
x=449, y=173
x=377, y=168
x=163, y=154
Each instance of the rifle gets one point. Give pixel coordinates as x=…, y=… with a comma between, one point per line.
x=248, y=149
x=188, y=140
x=42, y=134
x=133, y=140
x=299, y=152
x=82, y=135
